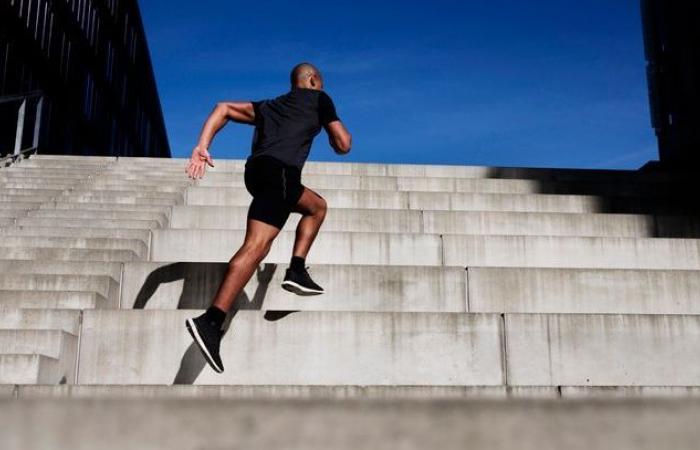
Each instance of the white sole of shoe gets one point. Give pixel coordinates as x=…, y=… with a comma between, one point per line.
x=192, y=328
x=299, y=289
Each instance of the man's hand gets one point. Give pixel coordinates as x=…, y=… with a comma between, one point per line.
x=198, y=163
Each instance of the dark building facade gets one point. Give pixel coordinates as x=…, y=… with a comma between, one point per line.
x=672, y=46
x=91, y=61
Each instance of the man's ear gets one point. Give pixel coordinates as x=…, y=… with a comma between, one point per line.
x=312, y=80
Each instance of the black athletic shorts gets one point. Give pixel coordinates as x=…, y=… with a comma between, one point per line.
x=276, y=188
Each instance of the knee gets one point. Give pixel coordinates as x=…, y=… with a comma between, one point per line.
x=321, y=208
x=252, y=250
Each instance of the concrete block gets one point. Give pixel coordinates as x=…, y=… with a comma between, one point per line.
x=307, y=348
x=55, y=344
x=234, y=218
x=534, y=223
x=329, y=247
x=534, y=290
x=602, y=350
x=182, y=285
x=571, y=252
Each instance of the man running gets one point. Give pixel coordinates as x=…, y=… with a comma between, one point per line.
x=284, y=130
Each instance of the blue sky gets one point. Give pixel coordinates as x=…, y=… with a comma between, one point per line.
x=487, y=82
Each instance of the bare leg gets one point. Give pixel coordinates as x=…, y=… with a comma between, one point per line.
x=242, y=265
x=313, y=209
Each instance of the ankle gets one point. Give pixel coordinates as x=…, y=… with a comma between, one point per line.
x=215, y=316
x=297, y=264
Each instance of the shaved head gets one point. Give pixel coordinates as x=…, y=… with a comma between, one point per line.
x=303, y=72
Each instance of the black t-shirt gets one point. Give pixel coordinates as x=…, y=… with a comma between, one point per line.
x=286, y=126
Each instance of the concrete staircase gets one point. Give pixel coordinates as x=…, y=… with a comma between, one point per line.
x=442, y=282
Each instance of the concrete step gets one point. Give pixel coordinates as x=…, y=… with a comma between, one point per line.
x=28, y=342
x=110, y=269
x=133, y=198
x=17, y=206
x=102, y=232
x=322, y=424
x=377, y=393
x=234, y=218
x=29, y=369
x=31, y=199
x=243, y=392
x=11, y=213
x=67, y=254
x=52, y=299
x=44, y=222
x=99, y=214
x=48, y=177
x=177, y=165
x=37, y=319
x=570, y=252
x=80, y=159
x=305, y=348
x=182, y=285
x=31, y=193
x=329, y=248
x=451, y=222
x=43, y=185
x=493, y=186
x=73, y=206
x=351, y=248
x=535, y=290
x=74, y=243
x=602, y=350
x=166, y=187
x=101, y=284
x=431, y=201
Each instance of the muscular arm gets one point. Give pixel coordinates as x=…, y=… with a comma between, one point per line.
x=240, y=112
x=339, y=137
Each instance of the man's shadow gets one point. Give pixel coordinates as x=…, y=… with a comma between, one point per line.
x=200, y=283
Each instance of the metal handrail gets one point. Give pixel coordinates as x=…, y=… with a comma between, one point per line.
x=18, y=150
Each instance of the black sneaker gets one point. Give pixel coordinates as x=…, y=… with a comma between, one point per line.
x=208, y=338
x=300, y=283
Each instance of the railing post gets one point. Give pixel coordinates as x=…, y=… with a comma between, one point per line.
x=20, y=128
x=37, y=124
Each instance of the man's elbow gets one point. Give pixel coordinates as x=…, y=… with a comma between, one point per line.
x=344, y=144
